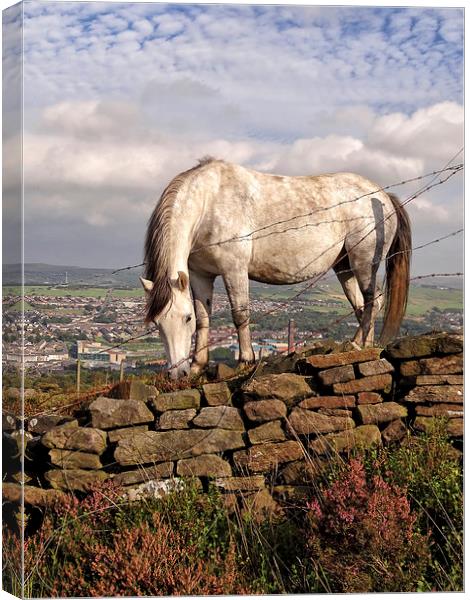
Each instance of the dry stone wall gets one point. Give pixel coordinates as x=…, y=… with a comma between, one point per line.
x=263, y=437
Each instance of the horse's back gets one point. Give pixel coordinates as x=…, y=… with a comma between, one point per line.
x=288, y=228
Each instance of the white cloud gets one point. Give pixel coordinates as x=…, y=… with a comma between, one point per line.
x=121, y=97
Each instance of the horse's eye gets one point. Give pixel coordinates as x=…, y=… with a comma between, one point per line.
x=188, y=318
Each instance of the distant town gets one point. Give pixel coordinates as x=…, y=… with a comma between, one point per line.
x=66, y=322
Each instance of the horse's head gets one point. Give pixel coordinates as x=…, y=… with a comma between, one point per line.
x=177, y=324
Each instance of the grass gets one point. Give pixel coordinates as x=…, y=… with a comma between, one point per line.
x=44, y=290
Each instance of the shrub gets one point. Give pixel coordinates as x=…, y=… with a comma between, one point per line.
x=102, y=546
x=430, y=468
x=362, y=536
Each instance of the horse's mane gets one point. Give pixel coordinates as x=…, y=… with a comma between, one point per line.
x=157, y=244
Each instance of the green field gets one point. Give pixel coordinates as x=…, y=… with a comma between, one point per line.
x=421, y=299
x=44, y=290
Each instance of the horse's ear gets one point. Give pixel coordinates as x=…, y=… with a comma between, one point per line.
x=183, y=280
x=146, y=284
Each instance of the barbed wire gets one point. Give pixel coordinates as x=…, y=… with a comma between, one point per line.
x=352, y=312
x=248, y=235
x=450, y=170
x=432, y=184
x=102, y=390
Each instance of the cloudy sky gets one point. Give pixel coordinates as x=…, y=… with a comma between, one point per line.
x=121, y=97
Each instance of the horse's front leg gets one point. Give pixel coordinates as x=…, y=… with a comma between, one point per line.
x=202, y=288
x=237, y=286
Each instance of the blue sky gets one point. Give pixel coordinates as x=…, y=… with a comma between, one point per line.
x=121, y=97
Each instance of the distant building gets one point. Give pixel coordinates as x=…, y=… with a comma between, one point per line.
x=96, y=352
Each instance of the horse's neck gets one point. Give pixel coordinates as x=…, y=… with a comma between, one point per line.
x=183, y=231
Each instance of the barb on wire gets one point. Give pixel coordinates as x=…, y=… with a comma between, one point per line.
x=127, y=268
x=451, y=170
x=434, y=183
x=436, y=275
x=352, y=312
x=246, y=236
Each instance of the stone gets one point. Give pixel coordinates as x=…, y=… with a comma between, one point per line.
x=12, y=393
x=240, y=484
x=261, y=411
x=160, y=471
x=329, y=402
x=223, y=371
x=119, y=434
x=8, y=421
x=71, y=459
x=381, y=413
x=343, y=358
x=206, y=465
x=260, y=506
x=440, y=410
x=176, y=419
x=363, y=436
x=279, y=363
x=266, y=457
x=107, y=413
x=320, y=347
x=268, y=432
x=217, y=394
x=335, y=412
x=34, y=496
x=305, y=422
x=369, y=398
x=44, y=423
x=375, y=367
x=292, y=495
x=224, y=417
x=162, y=446
x=287, y=387
x=70, y=436
x=337, y=375
x=134, y=390
x=302, y=472
x=454, y=427
x=425, y=345
x=179, y=400
x=448, y=394
x=157, y=489
x=447, y=365
x=366, y=384
x=78, y=480
x=433, y=380
x=230, y=502
x=394, y=432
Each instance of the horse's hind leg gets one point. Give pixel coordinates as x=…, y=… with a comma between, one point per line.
x=351, y=289
x=202, y=288
x=237, y=286
x=364, y=265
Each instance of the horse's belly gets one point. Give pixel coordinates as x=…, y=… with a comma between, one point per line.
x=289, y=260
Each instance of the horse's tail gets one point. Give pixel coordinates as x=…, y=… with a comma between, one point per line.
x=397, y=274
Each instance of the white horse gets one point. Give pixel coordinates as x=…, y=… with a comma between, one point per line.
x=223, y=219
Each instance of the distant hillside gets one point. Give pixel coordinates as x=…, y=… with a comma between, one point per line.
x=44, y=274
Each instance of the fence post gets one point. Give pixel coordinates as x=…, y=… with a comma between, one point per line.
x=121, y=371
x=291, y=336
x=79, y=362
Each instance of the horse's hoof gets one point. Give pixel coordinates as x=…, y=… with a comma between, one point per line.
x=245, y=365
x=196, y=370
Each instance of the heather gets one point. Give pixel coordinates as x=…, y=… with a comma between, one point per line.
x=382, y=521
